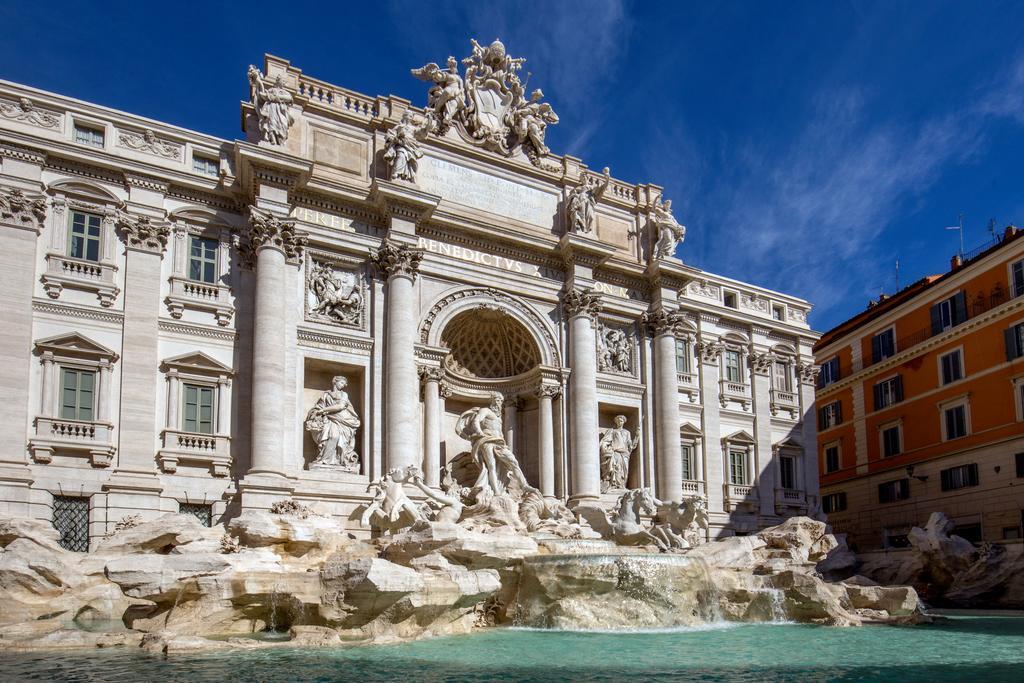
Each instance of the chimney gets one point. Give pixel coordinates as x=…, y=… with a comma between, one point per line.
x=955, y=262
x=1010, y=231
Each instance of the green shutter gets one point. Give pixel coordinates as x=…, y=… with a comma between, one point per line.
x=206, y=410
x=191, y=408
x=69, y=395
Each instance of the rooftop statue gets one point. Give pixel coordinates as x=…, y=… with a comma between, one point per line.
x=581, y=204
x=272, y=105
x=402, y=151
x=670, y=233
x=488, y=103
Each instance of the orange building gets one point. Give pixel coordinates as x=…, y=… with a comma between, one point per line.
x=920, y=405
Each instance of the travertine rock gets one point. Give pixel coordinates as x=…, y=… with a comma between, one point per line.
x=293, y=534
x=159, y=535
x=38, y=532
x=462, y=546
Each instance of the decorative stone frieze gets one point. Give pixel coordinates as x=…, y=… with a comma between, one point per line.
x=582, y=302
x=148, y=142
x=25, y=111
x=21, y=209
x=397, y=260
x=143, y=232
x=705, y=289
x=808, y=372
x=761, y=363
x=268, y=230
x=710, y=352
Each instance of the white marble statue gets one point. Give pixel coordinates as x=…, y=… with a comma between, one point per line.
x=581, y=205
x=670, y=233
x=332, y=297
x=333, y=422
x=273, y=107
x=529, y=122
x=447, y=97
x=390, y=508
x=624, y=523
x=443, y=507
x=402, y=151
x=682, y=524
x=617, y=446
x=614, y=351
x=482, y=428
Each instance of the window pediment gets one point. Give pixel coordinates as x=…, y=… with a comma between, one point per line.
x=75, y=345
x=689, y=431
x=197, y=362
x=89, y=192
x=739, y=438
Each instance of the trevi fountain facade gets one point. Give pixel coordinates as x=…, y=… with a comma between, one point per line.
x=380, y=371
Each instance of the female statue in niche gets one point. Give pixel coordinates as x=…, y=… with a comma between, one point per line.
x=617, y=445
x=333, y=422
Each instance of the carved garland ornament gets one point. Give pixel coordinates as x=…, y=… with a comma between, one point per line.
x=148, y=142
x=143, y=232
x=270, y=230
x=21, y=208
x=393, y=259
x=25, y=110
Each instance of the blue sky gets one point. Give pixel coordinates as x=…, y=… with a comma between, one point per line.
x=804, y=145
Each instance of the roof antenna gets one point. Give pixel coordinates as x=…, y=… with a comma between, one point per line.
x=897, y=273
x=992, y=230
x=960, y=227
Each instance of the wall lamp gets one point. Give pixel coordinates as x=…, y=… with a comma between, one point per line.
x=920, y=477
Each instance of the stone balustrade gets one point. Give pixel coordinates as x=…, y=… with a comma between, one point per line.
x=210, y=450
x=92, y=437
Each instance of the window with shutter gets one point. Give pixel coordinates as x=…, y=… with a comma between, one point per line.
x=883, y=345
x=1014, y=338
x=959, y=477
x=198, y=417
x=832, y=458
x=77, y=394
x=1017, y=271
x=951, y=367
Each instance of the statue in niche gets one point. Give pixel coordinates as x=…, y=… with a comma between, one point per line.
x=670, y=233
x=333, y=297
x=333, y=423
x=272, y=105
x=617, y=446
x=614, y=351
x=498, y=465
x=446, y=98
x=402, y=151
x=582, y=204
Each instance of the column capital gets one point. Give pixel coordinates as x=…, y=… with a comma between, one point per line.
x=808, y=372
x=430, y=373
x=761, y=363
x=22, y=209
x=582, y=302
x=660, y=321
x=267, y=230
x=143, y=232
x=549, y=391
x=397, y=260
x=710, y=352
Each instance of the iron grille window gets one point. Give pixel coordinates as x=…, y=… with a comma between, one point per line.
x=204, y=513
x=959, y=477
x=71, y=519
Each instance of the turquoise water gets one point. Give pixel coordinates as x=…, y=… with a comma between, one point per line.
x=961, y=649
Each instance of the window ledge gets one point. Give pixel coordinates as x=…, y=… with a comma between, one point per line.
x=212, y=450
x=202, y=296
x=737, y=496
x=734, y=391
x=789, y=499
x=784, y=400
x=53, y=434
x=693, y=487
x=92, y=276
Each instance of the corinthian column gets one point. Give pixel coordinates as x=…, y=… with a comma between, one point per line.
x=668, y=461
x=546, y=438
x=431, y=424
x=399, y=264
x=273, y=240
x=582, y=308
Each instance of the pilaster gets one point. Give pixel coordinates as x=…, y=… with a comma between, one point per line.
x=761, y=386
x=709, y=354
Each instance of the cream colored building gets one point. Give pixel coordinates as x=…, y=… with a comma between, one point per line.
x=175, y=303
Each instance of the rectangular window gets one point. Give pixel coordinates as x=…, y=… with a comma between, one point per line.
x=956, y=421
x=883, y=345
x=895, y=539
x=888, y=392
x=1017, y=275
x=204, y=513
x=202, y=259
x=1019, y=461
x=969, y=532
x=892, y=491
x=959, y=477
x=952, y=367
x=833, y=502
x=198, y=409
x=84, y=242
x=88, y=135
x=738, y=468
x=787, y=472
x=891, y=441
x=71, y=519
x=778, y=312
x=205, y=165
x=732, y=367
x=1014, y=341
x=832, y=458
x=77, y=394
x=1011, y=533
x=781, y=376
x=949, y=313
x=689, y=472
x=830, y=415
x=829, y=372
x=682, y=355
x=730, y=299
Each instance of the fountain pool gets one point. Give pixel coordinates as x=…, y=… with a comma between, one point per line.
x=960, y=648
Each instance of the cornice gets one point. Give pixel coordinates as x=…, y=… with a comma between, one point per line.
x=22, y=153
x=324, y=340
x=73, y=311
x=196, y=330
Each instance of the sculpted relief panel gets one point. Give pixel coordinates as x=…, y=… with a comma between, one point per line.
x=615, y=349
x=334, y=295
